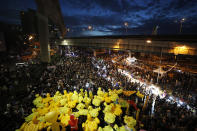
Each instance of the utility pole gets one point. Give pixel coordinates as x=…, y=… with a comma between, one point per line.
x=181, y=24
x=155, y=30
x=159, y=67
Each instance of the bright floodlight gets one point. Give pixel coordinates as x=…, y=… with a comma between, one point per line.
x=148, y=41
x=64, y=42
x=31, y=37
x=181, y=50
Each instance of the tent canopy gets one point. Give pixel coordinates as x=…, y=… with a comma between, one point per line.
x=131, y=59
x=160, y=71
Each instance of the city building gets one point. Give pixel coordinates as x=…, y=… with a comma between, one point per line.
x=29, y=21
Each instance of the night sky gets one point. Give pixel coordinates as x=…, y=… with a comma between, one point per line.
x=107, y=17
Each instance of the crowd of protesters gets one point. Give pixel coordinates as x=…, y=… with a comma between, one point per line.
x=180, y=84
x=75, y=69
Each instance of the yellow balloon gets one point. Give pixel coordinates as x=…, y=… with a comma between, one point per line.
x=51, y=116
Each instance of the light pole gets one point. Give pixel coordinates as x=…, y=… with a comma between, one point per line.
x=147, y=45
x=176, y=52
x=181, y=24
x=126, y=26
x=159, y=67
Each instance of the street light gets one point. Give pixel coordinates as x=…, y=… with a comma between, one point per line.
x=89, y=27
x=126, y=24
x=181, y=22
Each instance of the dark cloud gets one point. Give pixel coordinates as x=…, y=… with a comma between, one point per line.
x=108, y=16
x=79, y=4
x=92, y=20
x=117, y=6
x=181, y=4
x=166, y=26
x=142, y=16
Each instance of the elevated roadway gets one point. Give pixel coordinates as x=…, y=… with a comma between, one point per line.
x=173, y=44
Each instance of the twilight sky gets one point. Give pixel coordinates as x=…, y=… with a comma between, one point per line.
x=107, y=17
